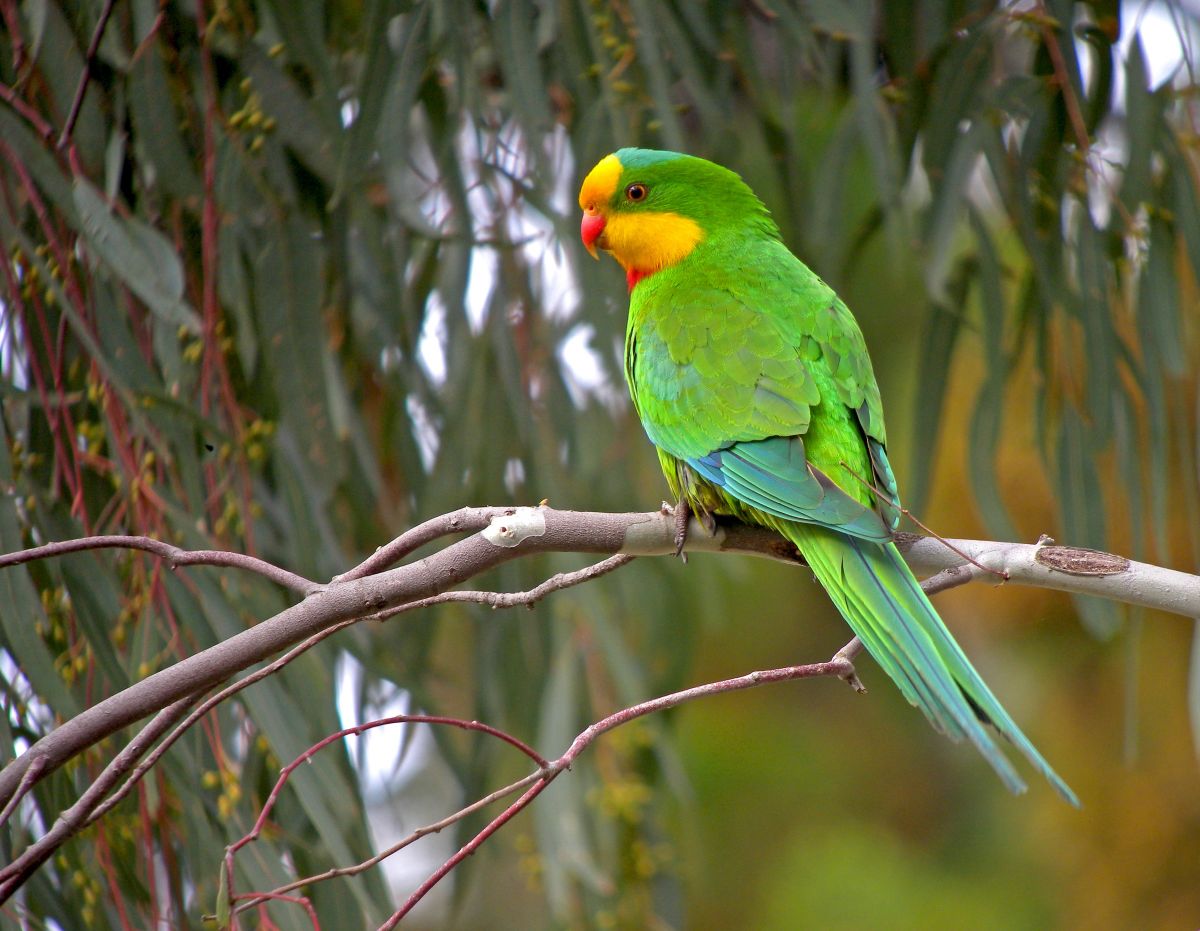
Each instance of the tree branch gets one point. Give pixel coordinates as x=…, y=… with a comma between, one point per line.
x=174, y=555
x=505, y=533
x=838, y=666
x=73, y=819
x=464, y=520
x=88, y=62
x=248, y=900
x=1065, y=569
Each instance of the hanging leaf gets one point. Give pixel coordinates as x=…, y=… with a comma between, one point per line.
x=141, y=257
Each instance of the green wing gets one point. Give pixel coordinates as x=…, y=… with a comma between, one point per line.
x=767, y=392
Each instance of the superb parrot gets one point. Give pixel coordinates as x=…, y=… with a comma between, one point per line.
x=752, y=379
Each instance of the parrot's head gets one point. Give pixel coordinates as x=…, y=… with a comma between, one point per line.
x=651, y=209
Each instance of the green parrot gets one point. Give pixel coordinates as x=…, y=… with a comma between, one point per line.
x=752, y=380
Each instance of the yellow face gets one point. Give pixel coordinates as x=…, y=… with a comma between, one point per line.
x=643, y=240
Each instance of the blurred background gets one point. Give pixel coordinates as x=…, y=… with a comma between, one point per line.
x=290, y=278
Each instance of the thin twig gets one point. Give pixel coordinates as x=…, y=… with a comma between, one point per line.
x=74, y=818
x=287, y=771
x=174, y=555
x=358, y=729
x=466, y=850
x=27, y=781
x=955, y=576
x=496, y=599
x=301, y=900
x=837, y=666
x=14, y=100
x=528, y=598
x=880, y=496
x=464, y=520
x=206, y=706
x=1074, y=114
x=85, y=77
x=416, y=835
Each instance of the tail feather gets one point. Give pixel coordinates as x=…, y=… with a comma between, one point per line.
x=884, y=605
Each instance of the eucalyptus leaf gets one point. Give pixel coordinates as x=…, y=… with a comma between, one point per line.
x=140, y=256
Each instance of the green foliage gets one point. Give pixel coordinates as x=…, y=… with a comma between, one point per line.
x=225, y=297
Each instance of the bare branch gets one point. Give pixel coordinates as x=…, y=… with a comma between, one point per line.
x=1074, y=112
x=27, y=782
x=358, y=729
x=252, y=898
x=300, y=900
x=1065, y=569
x=40, y=126
x=505, y=533
x=464, y=520
x=841, y=665
x=540, y=530
x=838, y=666
x=204, y=708
x=514, y=599
x=85, y=76
x=75, y=818
x=174, y=556
x=287, y=771
x=81, y=816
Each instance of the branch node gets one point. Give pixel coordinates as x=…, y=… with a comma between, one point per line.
x=517, y=525
x=843, y=662
x=846, y=672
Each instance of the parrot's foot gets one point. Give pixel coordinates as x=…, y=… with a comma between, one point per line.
x=683, y=513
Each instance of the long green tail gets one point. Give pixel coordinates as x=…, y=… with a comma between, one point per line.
x=881, y=600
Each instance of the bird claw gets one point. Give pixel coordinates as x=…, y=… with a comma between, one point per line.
x=683, y=513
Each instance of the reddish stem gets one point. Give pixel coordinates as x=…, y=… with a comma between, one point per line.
x=838, y=666
x=304, y=757
x=208, y=223
x=104, y=857
x=287, y=771
x=74, y=293
x=14, y=100
x=300, y=900
x=85, y=77
x=466, y=850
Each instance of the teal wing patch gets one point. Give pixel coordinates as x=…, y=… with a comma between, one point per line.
x=774, y=476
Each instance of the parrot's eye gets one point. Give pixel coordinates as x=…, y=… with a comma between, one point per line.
x=636, y=192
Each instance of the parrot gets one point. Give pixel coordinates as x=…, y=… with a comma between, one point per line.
x=751, y=378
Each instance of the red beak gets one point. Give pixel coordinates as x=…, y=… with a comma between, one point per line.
x=590, y=229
